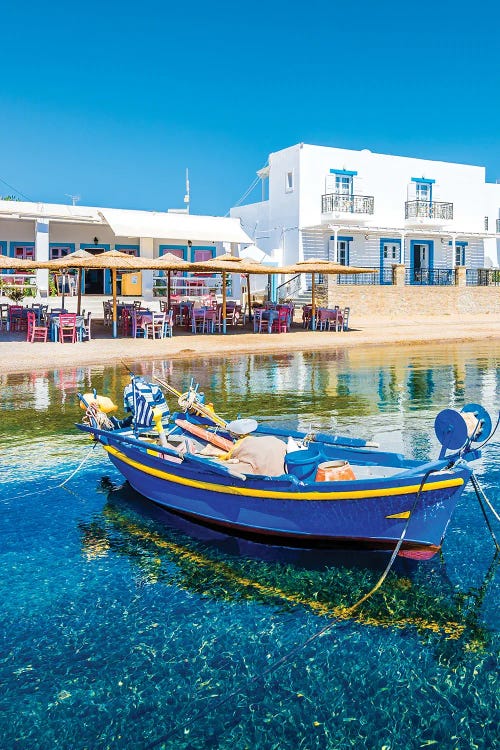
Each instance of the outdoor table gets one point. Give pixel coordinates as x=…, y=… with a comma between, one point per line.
x=54, y=326
x=263, y=314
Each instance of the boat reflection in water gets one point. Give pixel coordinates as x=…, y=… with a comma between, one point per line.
x=169, y=550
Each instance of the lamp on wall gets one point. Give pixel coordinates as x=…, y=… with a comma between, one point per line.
x=96, y=240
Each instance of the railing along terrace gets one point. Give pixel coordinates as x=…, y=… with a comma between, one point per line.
x=352, y=204
x=428, y=210
x=488, y=277
x=431, y=276
x=288, y=288
x=370, y=278
x=188, y=288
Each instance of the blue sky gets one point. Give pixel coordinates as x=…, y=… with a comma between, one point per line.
x=112, y=101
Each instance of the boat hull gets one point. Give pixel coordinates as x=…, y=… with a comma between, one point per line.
x=370, y=513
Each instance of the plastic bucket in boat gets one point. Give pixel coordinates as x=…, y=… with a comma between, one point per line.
x=302, y=463
x=334, y=471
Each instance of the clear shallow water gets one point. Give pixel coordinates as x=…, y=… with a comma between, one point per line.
x=120, y=624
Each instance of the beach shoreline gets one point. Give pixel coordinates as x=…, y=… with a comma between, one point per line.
x=17, y=355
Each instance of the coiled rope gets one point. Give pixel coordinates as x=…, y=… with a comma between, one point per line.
x=301, y=646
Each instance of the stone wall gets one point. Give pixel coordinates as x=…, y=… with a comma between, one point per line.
x=413, y=301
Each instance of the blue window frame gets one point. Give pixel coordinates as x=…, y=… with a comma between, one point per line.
x=24, y=250
x=130, y=249
x=343, y=250
x=459, y=258
x=3, y=247
x=107, y=273
x=390, y=253
x=343, y=181
x=60, y=249
x=423, y=188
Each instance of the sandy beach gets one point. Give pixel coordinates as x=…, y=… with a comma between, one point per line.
x=16, y=355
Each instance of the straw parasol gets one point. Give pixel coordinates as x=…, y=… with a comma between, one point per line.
x=230, y=264
x=319, y=265
x=170, y=262
x=72, y=260
x=17, y=264
x=115, y=260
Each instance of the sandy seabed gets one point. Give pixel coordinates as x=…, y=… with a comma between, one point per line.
x=16, y=355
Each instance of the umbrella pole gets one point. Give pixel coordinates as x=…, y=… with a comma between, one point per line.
x=79, y=282
x=115, y=326
x=313, y=304
x=169, y=289
x=63, y=281
x=249, y=298
x=223, y=302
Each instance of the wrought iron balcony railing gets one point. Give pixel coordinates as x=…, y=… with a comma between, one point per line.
x=351, y=204
x=428, y=210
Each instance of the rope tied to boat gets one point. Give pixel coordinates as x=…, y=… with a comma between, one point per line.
x=301, y=646
x=94, y=417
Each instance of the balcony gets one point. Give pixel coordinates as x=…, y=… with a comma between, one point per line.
x=428, y=213
x=357, y=207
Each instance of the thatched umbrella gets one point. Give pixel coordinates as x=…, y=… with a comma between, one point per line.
x=72, y=260
x=170, y=262
x=18, y=264
x=115, y=260
x=225, y=264
x=318, y=265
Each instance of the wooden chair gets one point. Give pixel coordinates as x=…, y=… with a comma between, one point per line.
x=155, y=327
x=67, y=327
x=84, y=332
x=198, y=320
x=35, y=332
x=345, y=319
x=16, y=318
x=108, y=312
x=280, y=324
x=4, y=316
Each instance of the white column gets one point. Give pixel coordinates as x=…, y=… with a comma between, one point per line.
x=453, y=250
x=336, y=244
x=403, y=249
x=146, y=250
x=42, y=253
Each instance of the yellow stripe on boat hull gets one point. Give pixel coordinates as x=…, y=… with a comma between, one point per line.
x=288, y=495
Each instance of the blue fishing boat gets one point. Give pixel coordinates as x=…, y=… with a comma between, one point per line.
x=292, y=488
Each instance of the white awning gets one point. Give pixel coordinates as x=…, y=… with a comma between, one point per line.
x=173, y=226
x=253, y=252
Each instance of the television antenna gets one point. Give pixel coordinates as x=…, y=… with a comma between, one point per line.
x=74, y=198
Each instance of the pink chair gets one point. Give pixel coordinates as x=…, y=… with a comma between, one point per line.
x=67, y=327
x=35, y=332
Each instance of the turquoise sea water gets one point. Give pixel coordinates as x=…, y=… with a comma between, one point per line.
x=122, y=627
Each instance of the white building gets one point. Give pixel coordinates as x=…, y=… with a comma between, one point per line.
x=45, y=231
x=375, y=210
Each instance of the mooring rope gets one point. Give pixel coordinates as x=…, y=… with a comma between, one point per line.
x=299, y=647
x=478, y=490
x=51, y=488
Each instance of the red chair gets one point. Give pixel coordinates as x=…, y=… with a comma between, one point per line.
x=280, y=324
x=35, y=332
x=67, y=327
x=16, y=322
